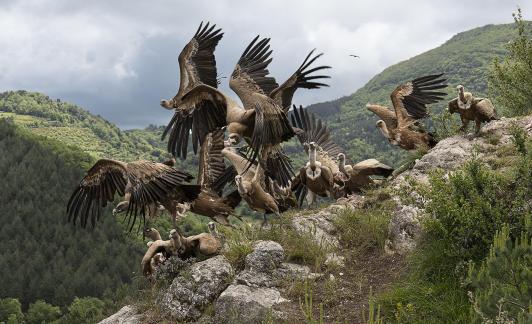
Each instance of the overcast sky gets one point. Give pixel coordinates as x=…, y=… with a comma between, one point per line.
x=119, y=58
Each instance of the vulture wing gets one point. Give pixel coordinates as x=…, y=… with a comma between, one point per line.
x=152, y=182
x=251, y=72
x=302, y=78
x=387, y=115
x=373, y=167
x=96, y=189
x=311, y=129
x=411, y=99
x=203, y=109
x=201, y=112
x=211, y=162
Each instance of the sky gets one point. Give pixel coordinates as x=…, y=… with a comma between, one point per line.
x=118, y=58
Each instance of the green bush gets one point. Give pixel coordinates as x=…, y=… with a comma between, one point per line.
x=84, y=310
x=510, y=81
x=503, y=282
x=10, y=311
x=42, y=312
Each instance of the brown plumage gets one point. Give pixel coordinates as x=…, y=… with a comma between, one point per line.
x=144, y=185
x=251, y=185
x=262, y=121
x=471, y=108
x=410, y=101
x=210, y=201
x=359, y=175
x=317, y=177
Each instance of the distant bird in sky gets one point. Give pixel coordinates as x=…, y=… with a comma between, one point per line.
x=353, y=55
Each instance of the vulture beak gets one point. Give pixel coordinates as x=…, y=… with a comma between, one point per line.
x=166, y=104
x=114, y=211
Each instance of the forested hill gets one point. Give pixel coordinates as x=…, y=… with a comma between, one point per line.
x=42, y=256
x=465, y=59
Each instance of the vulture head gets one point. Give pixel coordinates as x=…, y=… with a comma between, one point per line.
x=341, y=157
x=460, y=88
x=169, y=104
x=121, y=207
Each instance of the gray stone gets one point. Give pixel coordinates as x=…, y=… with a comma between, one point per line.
x=243, y=304
x=319, y=226
x=403, y=230
x=266, y=256
x=334, y=259
x=191, y=292
x=126, y=315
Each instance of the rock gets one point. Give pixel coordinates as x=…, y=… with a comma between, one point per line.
x=243, y=304
x=190, y=292
x=319, y=226
x=451, y=153
x=266, y=256
x=403, y=230
x=293, y=271
x=126, y=315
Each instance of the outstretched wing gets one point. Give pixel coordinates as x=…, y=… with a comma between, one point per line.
x=151, y=182
x=278, y=166
x=387, y=115
x=211, y=161
x=411, y=98
x=312, y=129
x=373, y=167
x=251, y=72
x=96, y=189
x=197, y=66
x=302, y=78
x=202, y=110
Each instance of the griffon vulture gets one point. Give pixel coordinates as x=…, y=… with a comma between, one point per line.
x=410, y=104
x=144, y=185
x=358, y=175
x=471, y=108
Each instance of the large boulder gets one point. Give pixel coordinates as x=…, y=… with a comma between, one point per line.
x=320, y=227
x=244, y=304
x=126, y=315
x=191, y=291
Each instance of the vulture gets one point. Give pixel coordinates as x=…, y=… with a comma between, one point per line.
x=471, y=108
x=210, y=202
x=184, y=247
x=143, y=184
x=251, y=184
x=320, y=175
x=358, y=175
x=262, y=121
x=410, y=100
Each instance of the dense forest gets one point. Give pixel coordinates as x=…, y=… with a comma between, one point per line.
x=54, y=260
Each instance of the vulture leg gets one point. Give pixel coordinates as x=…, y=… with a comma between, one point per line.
x=477, y=125
x=465, y=123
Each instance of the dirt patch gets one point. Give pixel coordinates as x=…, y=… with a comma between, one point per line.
x=345, y=298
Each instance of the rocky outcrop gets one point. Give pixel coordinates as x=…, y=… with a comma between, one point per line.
x=126, y=315
x=448, y=155
x=191, y=291
x=245, y=304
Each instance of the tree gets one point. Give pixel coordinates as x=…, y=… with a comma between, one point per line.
x=42, y=312
x=84, y=310
x=10, y=311
x=510, y=81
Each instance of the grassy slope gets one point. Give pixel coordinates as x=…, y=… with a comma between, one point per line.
x=465, y=59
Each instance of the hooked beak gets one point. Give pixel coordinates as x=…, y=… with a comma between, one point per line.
x=166, y=104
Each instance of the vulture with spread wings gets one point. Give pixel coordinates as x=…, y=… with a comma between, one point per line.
x=410, y=101
x=320, y=176
x=210, y=202
x=262, y=122
x=144, y=185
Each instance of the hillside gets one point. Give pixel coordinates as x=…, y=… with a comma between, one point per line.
x=465, y=59
x=54, y=261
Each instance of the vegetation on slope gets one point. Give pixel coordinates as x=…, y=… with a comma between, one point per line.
x=42, y=256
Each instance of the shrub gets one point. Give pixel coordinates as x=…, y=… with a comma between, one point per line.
x=84, y=310
x=510, y=81
x=10, y=311
x=503, y=282
x=42, y=312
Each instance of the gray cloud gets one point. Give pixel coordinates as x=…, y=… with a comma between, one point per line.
x=119, y=58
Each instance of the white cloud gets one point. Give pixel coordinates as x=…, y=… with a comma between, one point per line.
x=118, y=57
